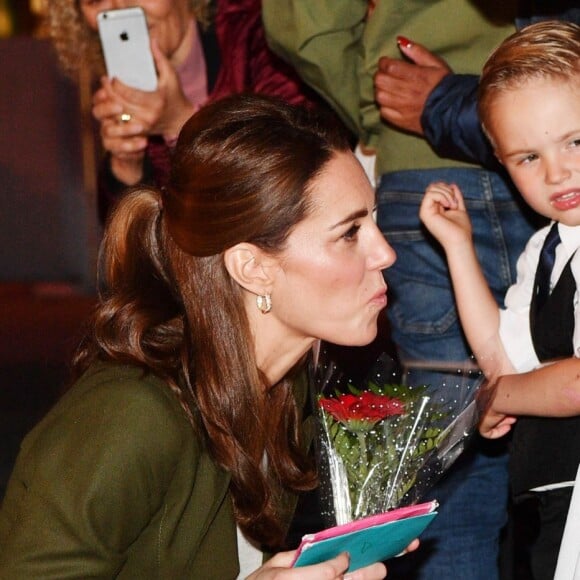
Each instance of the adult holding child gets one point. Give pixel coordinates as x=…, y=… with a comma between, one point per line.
x=529, y=99
x=185, y=423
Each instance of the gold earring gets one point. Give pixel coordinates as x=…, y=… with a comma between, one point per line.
x=264, y=303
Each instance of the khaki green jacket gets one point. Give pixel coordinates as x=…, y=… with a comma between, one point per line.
x=336, y=50
x=113, y=483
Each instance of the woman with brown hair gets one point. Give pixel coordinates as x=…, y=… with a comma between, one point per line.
x=184, y=424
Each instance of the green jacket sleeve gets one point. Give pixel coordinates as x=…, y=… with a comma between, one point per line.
x=88, y=480
x=321, y=39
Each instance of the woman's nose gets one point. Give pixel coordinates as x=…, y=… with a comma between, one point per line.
x=123, y=3
x=382, y=255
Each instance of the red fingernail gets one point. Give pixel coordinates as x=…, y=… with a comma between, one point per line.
x=404, y=42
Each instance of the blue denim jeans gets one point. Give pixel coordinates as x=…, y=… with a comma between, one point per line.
x=463, y=541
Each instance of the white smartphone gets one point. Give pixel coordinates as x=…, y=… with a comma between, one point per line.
x=125, y=41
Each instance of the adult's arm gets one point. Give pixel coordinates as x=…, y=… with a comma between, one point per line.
x=321, y=40
x=451, y=123
x=110, y=189
x=87, y=482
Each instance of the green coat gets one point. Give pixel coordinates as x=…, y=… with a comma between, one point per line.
x=114, y=483
x=336, y=50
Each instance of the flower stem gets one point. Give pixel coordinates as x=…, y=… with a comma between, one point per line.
x=364, y=468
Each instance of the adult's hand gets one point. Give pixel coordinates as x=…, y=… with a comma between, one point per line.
x=127, y=116
x=122, y=132
x=159, y=112
x=403, y=86
x=278, y=568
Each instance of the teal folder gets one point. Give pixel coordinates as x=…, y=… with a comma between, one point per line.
x=369, y=540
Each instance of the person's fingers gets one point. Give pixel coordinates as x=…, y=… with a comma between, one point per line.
x=391, y=69
x=458, y=195
x=162, y=63
x=282, y=559
x=129, y=95
x=419, y=54
x=105, y=103
x=441, y=188
x=499, y=430
x=372, y=572
x=126, y=143
x=122, y=126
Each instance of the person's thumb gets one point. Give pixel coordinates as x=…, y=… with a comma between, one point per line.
x=162, y=63
x=418, y=54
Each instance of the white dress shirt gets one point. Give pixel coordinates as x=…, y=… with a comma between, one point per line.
x=514, y=329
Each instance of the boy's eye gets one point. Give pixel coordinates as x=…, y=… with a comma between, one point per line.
x=575, y=143
x=528, y=159
x=351, y=233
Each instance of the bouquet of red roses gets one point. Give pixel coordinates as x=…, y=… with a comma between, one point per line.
x=382, y=443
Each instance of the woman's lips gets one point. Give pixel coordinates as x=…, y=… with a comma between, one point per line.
x=380, y=297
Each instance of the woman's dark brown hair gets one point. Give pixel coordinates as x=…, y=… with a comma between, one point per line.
x=241, y=172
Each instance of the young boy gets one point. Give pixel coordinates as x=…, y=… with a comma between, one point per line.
x=529, y=105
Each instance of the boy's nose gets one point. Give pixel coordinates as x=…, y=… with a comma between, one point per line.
x=556, y=171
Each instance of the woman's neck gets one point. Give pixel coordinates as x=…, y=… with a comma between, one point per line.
x=278, y=349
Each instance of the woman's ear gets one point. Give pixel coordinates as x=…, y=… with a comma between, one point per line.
x=250, y=267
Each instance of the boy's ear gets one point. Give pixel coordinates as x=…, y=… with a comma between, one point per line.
x=250, y=267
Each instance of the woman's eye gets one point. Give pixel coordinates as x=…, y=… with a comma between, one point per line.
x=351, y=233
x=575, y=143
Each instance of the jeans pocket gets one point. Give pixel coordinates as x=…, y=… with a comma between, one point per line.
x=421, y=299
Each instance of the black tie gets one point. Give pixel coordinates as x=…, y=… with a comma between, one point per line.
x=545, y=265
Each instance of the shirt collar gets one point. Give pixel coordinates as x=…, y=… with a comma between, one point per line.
x=570, y=236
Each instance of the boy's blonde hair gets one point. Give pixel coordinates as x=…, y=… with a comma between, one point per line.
x=548, y=49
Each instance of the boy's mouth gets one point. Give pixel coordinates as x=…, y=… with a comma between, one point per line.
x=565, y=200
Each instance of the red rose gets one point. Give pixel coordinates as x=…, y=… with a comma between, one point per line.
x=367, y=407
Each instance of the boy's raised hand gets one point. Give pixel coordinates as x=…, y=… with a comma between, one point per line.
x=444, y=215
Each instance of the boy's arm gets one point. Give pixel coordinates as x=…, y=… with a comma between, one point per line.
x=443, y=213
x=549, y=391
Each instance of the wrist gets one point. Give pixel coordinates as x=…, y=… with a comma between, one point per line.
x=127, y=171
x=171, y=133
x=460, y=249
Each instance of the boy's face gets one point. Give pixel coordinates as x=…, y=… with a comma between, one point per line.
x=536, y=131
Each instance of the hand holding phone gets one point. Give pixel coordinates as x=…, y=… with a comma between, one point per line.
x=126, y=47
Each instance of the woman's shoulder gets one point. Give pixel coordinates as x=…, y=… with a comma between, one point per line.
x=115, y=382
x=120, y=406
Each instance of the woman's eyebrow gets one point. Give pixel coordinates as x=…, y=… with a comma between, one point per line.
x=353, y=216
